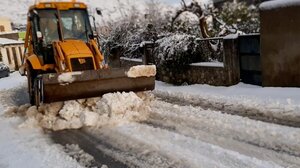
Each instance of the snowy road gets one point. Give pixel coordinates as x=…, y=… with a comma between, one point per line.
x=174, y=134
x=184, y=136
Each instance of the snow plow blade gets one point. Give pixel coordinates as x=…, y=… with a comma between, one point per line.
x=87, y=84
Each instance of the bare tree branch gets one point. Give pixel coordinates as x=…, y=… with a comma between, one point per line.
x=183, y=3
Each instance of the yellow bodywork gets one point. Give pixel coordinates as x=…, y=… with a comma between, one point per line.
x=36, y=64
x=64, y=51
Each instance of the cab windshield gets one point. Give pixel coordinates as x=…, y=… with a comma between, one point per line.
x=74, y=25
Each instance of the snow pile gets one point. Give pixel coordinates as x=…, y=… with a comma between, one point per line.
x=112, y=108
x=67, y=77
x=142, y=71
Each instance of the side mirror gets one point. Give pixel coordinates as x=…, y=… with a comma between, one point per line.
x=99, y=12
x=29, y=16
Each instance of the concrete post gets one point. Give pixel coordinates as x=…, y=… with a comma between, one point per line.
x=4, y=55
x=231, y=59
x=18, y=55
x=280, y=43
x=12, y=64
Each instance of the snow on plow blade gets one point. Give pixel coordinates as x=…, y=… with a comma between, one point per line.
x=94, y=83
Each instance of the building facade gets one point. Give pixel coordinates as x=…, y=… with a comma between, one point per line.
x=5, y=25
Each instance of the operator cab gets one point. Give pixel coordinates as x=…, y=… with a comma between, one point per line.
x=50, y=25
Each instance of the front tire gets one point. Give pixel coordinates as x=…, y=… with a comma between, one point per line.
x=31, y=75
x=38, y=91
x=7, y=74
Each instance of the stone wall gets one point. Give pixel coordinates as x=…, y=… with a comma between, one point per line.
x=217, y=76
x=198, y=75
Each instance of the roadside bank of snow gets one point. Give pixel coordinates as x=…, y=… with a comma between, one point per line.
x=275, y=103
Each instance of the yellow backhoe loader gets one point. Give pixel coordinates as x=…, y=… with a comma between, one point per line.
x=62, y=58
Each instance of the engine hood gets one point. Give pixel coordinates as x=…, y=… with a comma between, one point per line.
x=75, y=47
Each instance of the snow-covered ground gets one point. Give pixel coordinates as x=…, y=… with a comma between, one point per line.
x=23, y=145
x=15, y=80
x=240, y=92
x=169, y=135
x=243, y=99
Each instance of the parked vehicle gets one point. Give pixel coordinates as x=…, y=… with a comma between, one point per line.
x=4, y=70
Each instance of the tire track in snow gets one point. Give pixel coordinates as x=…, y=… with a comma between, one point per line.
x=14, y=97
x=186, y=151
x=113, y=149
x=270, y=136
x=283, y=115
x=88, y=144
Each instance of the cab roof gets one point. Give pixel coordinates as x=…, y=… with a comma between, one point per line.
x=59, y=5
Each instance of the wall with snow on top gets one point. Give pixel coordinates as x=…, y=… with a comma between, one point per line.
x=278, y=4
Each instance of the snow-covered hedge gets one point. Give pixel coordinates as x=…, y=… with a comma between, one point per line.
x=174, y=53
x=178, y=49
x=127, y=38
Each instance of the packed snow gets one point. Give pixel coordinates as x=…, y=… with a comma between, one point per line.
x=188, y=152
x=132, y=59
x=274, y=4
x=268, y=135
x=13, y=81
x=209, y=64
x=24, y=146
x=142, y=71
x=6, y=41
x=67, y=77
x=77, y=153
